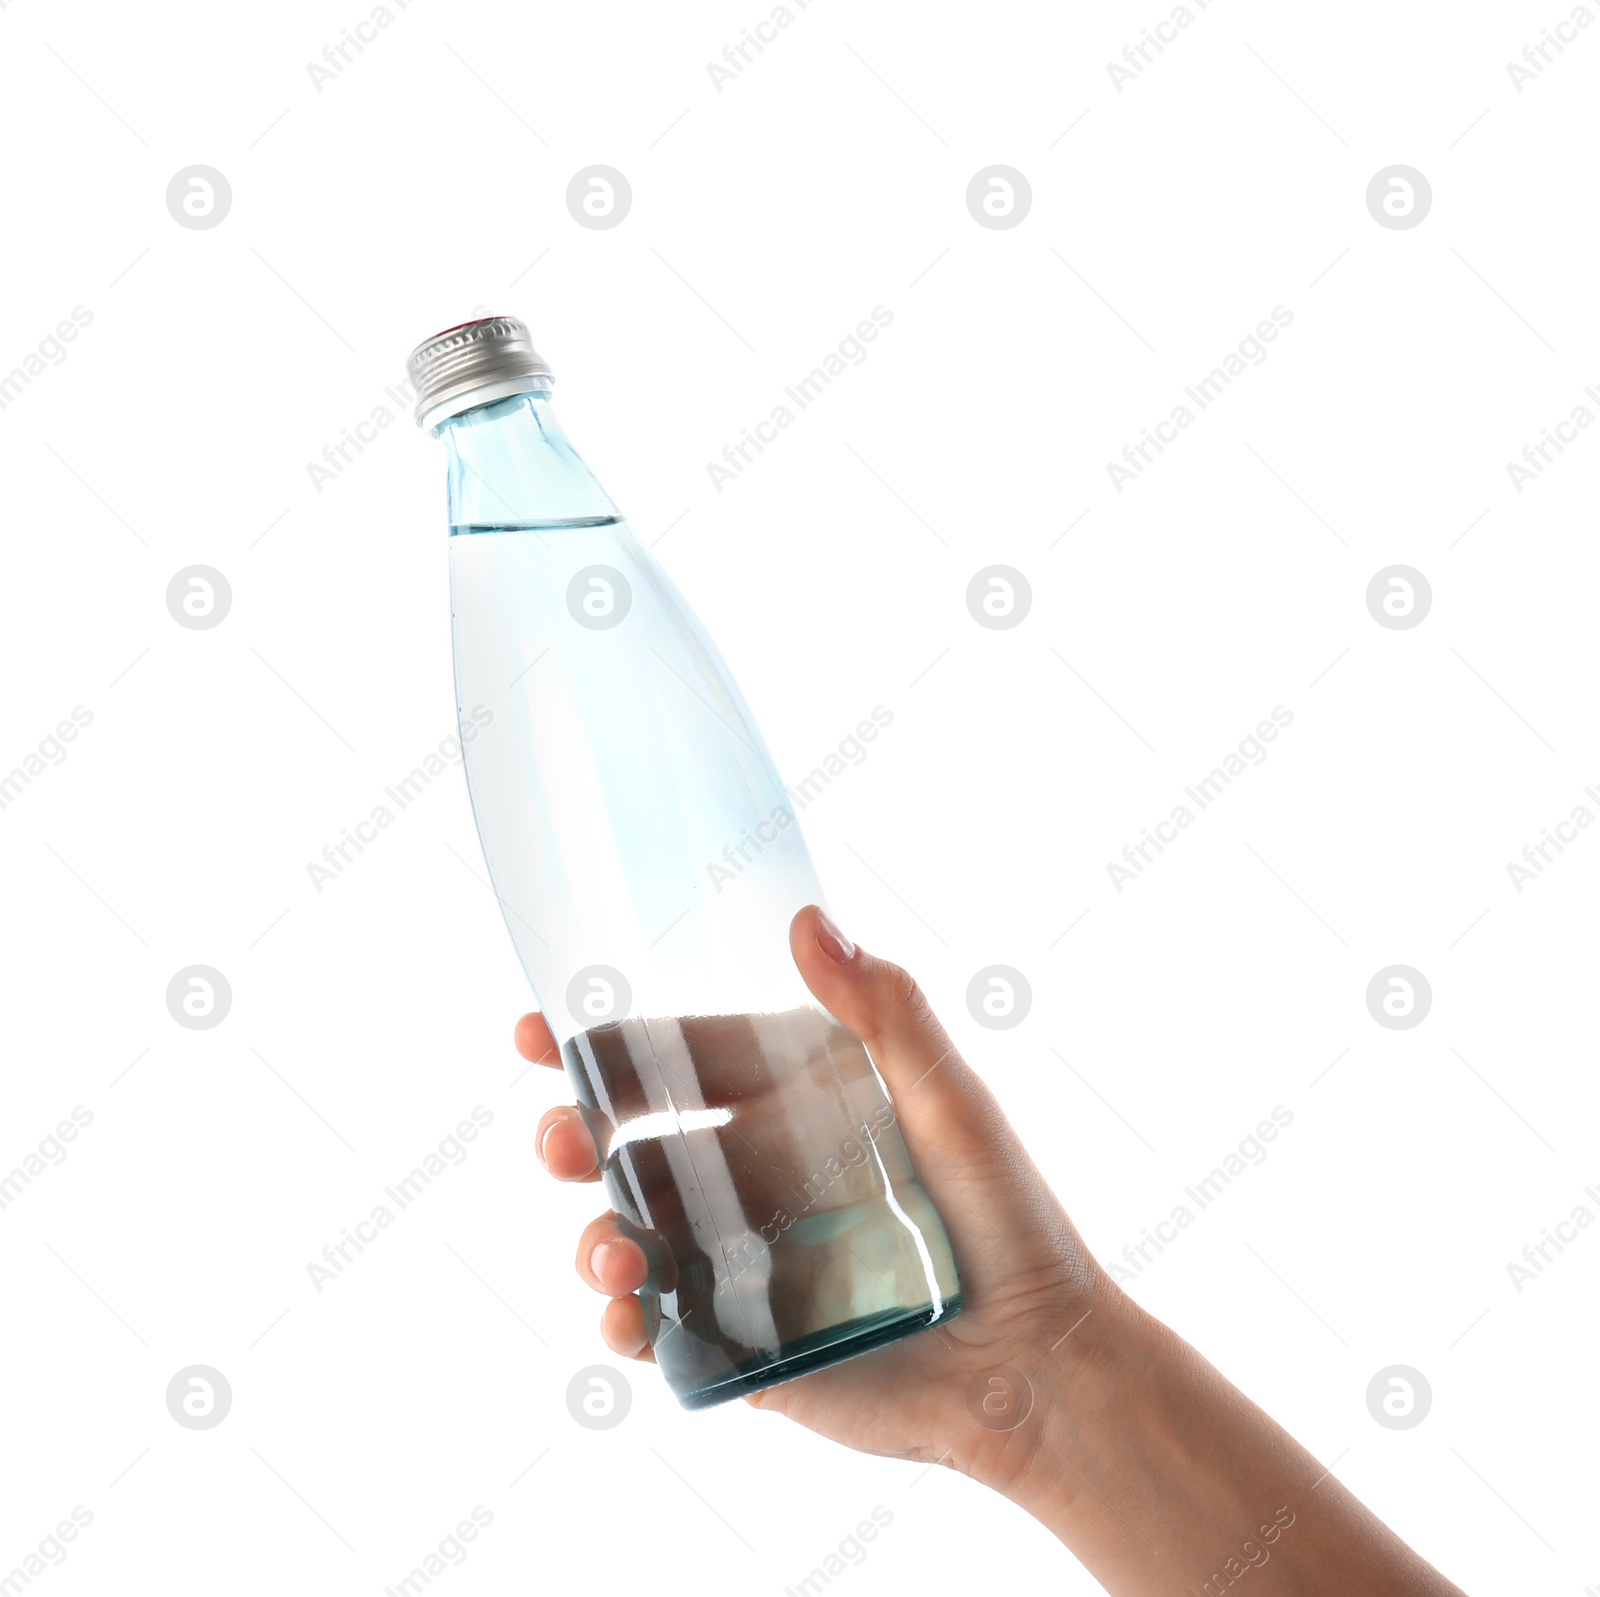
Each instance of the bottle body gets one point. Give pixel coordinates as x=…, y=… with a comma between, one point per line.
x=648, y=861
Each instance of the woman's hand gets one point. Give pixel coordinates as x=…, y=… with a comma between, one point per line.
x=1051, y=1386
x=1027, y=1279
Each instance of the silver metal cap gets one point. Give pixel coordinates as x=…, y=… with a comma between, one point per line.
x=474, y=364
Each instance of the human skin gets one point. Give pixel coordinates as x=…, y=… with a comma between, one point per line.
x=1156, y=1472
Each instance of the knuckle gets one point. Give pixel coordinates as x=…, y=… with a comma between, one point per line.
x=907, y=996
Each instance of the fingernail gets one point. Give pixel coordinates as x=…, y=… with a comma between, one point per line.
x=834, y=943
x=544, y=1138
x=597, y=1260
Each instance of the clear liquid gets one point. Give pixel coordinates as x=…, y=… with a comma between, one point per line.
x=757, y=1161
x=643, y=846
x=538, y=526
x=624, y=797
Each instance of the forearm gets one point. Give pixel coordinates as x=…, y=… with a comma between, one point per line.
x=1164, y=1479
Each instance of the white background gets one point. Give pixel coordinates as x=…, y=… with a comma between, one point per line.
x=427, y=180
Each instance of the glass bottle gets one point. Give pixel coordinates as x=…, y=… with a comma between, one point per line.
x=648, y=861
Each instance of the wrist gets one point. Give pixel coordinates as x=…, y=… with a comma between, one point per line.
x=1040, y=1418
x=1097, y=1415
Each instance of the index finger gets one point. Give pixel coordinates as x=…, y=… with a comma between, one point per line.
x=535, y=1042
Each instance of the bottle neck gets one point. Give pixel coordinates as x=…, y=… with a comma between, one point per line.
x=511, y=466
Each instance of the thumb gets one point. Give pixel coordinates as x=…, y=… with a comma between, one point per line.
x=948, y=1114
x=1007, y=1227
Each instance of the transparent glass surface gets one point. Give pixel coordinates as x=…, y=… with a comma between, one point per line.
x=648, y=861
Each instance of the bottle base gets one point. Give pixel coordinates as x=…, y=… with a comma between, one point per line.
x=808, y=1354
